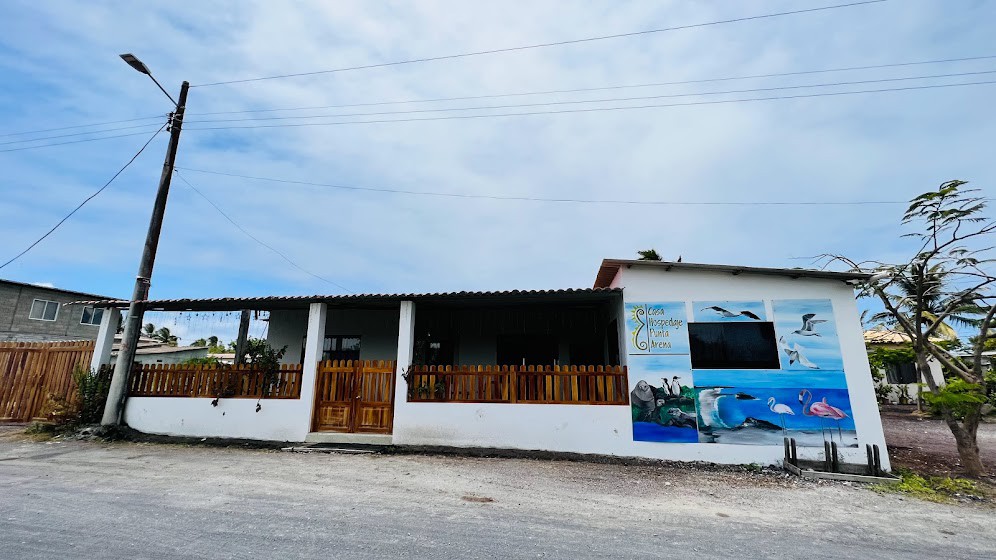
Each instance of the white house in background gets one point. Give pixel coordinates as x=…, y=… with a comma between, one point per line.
x=660, y=360
x=901, y=379
x=152, y=351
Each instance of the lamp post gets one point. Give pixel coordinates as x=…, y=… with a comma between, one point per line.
x=118, y=392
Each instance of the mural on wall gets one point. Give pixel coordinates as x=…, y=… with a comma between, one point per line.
x=806, y=399
x=657, y=328
x=807, y=334
x=725, y=311
x=662, y=399
x=763, y=406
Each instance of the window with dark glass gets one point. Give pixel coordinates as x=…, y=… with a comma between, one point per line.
x=733, y=345
x=901, y=374
x=338, y=347
x=91, y=316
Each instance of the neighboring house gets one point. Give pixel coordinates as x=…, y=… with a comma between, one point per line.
x=32, y=313
x=152, y=351
x=660, y=360
x=900, y=382
x=223, y=357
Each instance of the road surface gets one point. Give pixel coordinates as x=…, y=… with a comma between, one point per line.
x=135, y=501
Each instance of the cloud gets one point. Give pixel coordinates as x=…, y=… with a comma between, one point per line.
x=876, y=147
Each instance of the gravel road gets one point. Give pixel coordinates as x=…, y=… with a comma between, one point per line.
x=134, y=501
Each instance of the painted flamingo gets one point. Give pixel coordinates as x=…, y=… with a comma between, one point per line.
x=822, y=410
x=781, y=410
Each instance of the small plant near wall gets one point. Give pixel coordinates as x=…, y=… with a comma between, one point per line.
x=85, y=405
x=263, y=363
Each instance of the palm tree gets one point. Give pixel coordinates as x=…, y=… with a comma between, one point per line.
x=212, y=340
x=933, y=301
x=649, y=255
x=163, y=335
x=149, y=329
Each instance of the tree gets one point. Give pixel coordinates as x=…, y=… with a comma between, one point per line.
x=149, y=329
x=649, y=255
x=212, y=340
x=166, y=337
x=199, y=342
x=949, y=278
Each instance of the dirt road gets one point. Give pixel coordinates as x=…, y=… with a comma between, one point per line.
x=126, y=500
x=927, y=446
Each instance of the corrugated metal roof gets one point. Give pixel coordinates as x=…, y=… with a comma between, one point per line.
x=37, y=287
x=610, y=267
x=277, y=302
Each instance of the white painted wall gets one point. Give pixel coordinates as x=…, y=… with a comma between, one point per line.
x=377, y=328
x=278, y=420
x=608, y=429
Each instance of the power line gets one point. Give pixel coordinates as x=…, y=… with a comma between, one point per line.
x=541, y=199
x=79, y=126
x=87, y=199
x=604, y=100
x=602, y=88
x=73, y=142
x=544, y=45
x=598, y=109
x=76, y=134
x=253, y=237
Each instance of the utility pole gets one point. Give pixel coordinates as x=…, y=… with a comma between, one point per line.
x=118, y=393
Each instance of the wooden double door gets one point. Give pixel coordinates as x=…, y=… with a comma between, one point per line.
x=354, y=396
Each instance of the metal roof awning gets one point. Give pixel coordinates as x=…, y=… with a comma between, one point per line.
x=609, y=268
x=266, y=303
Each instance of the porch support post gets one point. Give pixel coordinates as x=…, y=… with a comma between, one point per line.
x=105, y=338
x=314, y=345
x=406, y=351
x=240, y=342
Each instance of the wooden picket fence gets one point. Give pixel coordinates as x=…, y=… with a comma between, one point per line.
x=519, y=384
x=354, y=396
x=31, y=371
x=210, y=380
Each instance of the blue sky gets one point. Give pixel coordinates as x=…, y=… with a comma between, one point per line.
x=59, y=67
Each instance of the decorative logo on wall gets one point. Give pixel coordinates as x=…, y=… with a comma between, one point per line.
x=657, y=328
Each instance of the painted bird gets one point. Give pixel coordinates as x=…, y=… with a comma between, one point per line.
x=727, y=313
x=795, y=354
x=781, y=410
x=809, y=325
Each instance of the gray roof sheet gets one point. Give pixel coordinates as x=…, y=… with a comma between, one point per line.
x=610, y=266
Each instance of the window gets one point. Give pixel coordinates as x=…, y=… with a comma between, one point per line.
x=338, y=347
x=434, y=352
x=900, y=374
x=44, y=310
x=733, y=345
x=91, y=316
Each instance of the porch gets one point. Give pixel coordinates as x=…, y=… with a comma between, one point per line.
x=357, y=366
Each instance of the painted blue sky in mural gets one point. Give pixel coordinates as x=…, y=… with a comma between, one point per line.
x=768, y=378
x=727, y=311
x=656, y=328
x=810, y=344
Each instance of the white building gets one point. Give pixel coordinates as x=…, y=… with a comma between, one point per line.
x=659, y=360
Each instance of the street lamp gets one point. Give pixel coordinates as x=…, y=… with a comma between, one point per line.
x=118, y=392
x=137, y=64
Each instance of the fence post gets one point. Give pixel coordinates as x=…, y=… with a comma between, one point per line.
x=513, y=384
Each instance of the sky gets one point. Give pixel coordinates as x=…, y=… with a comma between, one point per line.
x=59, y=67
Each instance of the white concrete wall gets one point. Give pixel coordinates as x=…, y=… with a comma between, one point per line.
x=377, y=328
x=936, y=372
x=608, y=429
x=278, y=420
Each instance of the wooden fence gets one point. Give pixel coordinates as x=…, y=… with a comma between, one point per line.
x=210, y=380
x=355, y=396
x=519, y=384
x=31, y=371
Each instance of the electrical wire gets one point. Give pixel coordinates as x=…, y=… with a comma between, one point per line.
x=598, y=109
x=76, y=134
x=543, y=45
x=253, y=237
x=604, y=100
x=80, y=126
x=87, y=199
x=602, y=88
x=72, y=142
x=542, y=199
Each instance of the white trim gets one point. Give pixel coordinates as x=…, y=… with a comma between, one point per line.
x=42, y=318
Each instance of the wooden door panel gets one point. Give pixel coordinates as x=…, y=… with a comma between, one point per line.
x=354, y=396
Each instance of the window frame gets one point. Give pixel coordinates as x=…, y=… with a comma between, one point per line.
x=93, y=313
x=44, y=310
